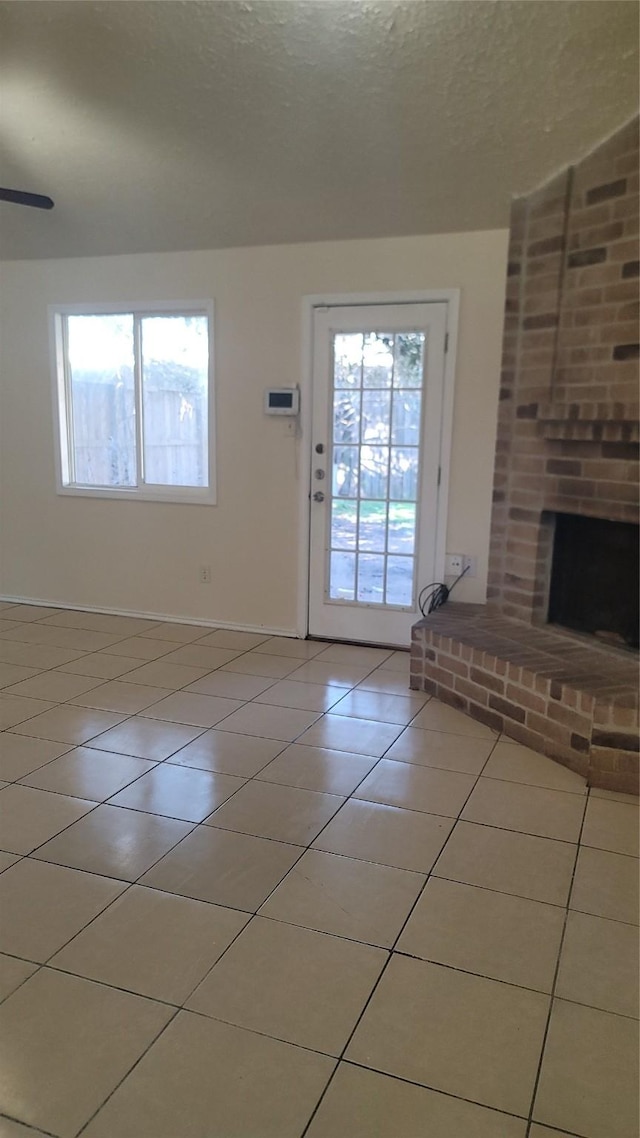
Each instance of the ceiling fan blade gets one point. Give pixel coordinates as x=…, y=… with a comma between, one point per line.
x=22, y=197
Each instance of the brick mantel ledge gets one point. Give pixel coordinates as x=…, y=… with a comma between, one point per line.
x=609, y=422
x=553, y=691
x=589, y=412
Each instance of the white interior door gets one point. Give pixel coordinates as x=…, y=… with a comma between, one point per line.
x=378, y=382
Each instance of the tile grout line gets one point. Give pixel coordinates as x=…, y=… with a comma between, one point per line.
x=536, y=1082
x=130, y=1071
x=434, y=1090
x=391, y=950
x=36, y=969
x=36, y=1130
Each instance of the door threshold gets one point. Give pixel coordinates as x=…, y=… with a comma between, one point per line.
x=358, y=643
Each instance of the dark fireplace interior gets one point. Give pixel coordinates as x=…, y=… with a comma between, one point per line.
x=594, y=578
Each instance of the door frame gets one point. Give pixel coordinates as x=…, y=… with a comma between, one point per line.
x=450, y=296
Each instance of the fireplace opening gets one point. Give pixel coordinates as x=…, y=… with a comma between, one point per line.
x=594, y=578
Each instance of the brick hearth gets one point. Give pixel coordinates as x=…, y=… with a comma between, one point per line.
x=567, y=442
x=552, y=691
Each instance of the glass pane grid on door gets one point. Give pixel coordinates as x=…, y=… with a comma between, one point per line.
x=376, y=430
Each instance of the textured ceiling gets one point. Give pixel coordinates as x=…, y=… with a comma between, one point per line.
x=164, y=125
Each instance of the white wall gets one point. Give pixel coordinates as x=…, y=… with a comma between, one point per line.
x=140, y=556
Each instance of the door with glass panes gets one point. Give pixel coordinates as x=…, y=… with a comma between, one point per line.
x=378, y=380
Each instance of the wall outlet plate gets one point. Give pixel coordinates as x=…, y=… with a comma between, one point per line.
x=453, y=564
x=471, y=565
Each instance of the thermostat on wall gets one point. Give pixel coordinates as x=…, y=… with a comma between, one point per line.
x=282, y=401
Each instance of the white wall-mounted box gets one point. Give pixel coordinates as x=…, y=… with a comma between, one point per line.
x=282, y=401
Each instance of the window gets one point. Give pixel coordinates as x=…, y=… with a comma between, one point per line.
x=134, y=402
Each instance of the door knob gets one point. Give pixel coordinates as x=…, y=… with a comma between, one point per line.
x=318, y=496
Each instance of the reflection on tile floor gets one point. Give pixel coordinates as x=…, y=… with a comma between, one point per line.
x=252, y=886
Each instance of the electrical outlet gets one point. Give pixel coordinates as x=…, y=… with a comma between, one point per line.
x=204, y=574
x=471, y=565
x=456, y=563
x=453, y=564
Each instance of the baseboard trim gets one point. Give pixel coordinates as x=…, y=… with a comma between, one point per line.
x=165, y=618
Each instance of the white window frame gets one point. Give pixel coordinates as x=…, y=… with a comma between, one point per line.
x=187, y=495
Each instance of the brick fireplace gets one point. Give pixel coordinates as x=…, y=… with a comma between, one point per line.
x=567, y=445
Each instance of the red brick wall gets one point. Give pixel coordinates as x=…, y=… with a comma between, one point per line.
x=567, y=424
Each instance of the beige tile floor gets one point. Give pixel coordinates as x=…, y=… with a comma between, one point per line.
x=253, y=887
